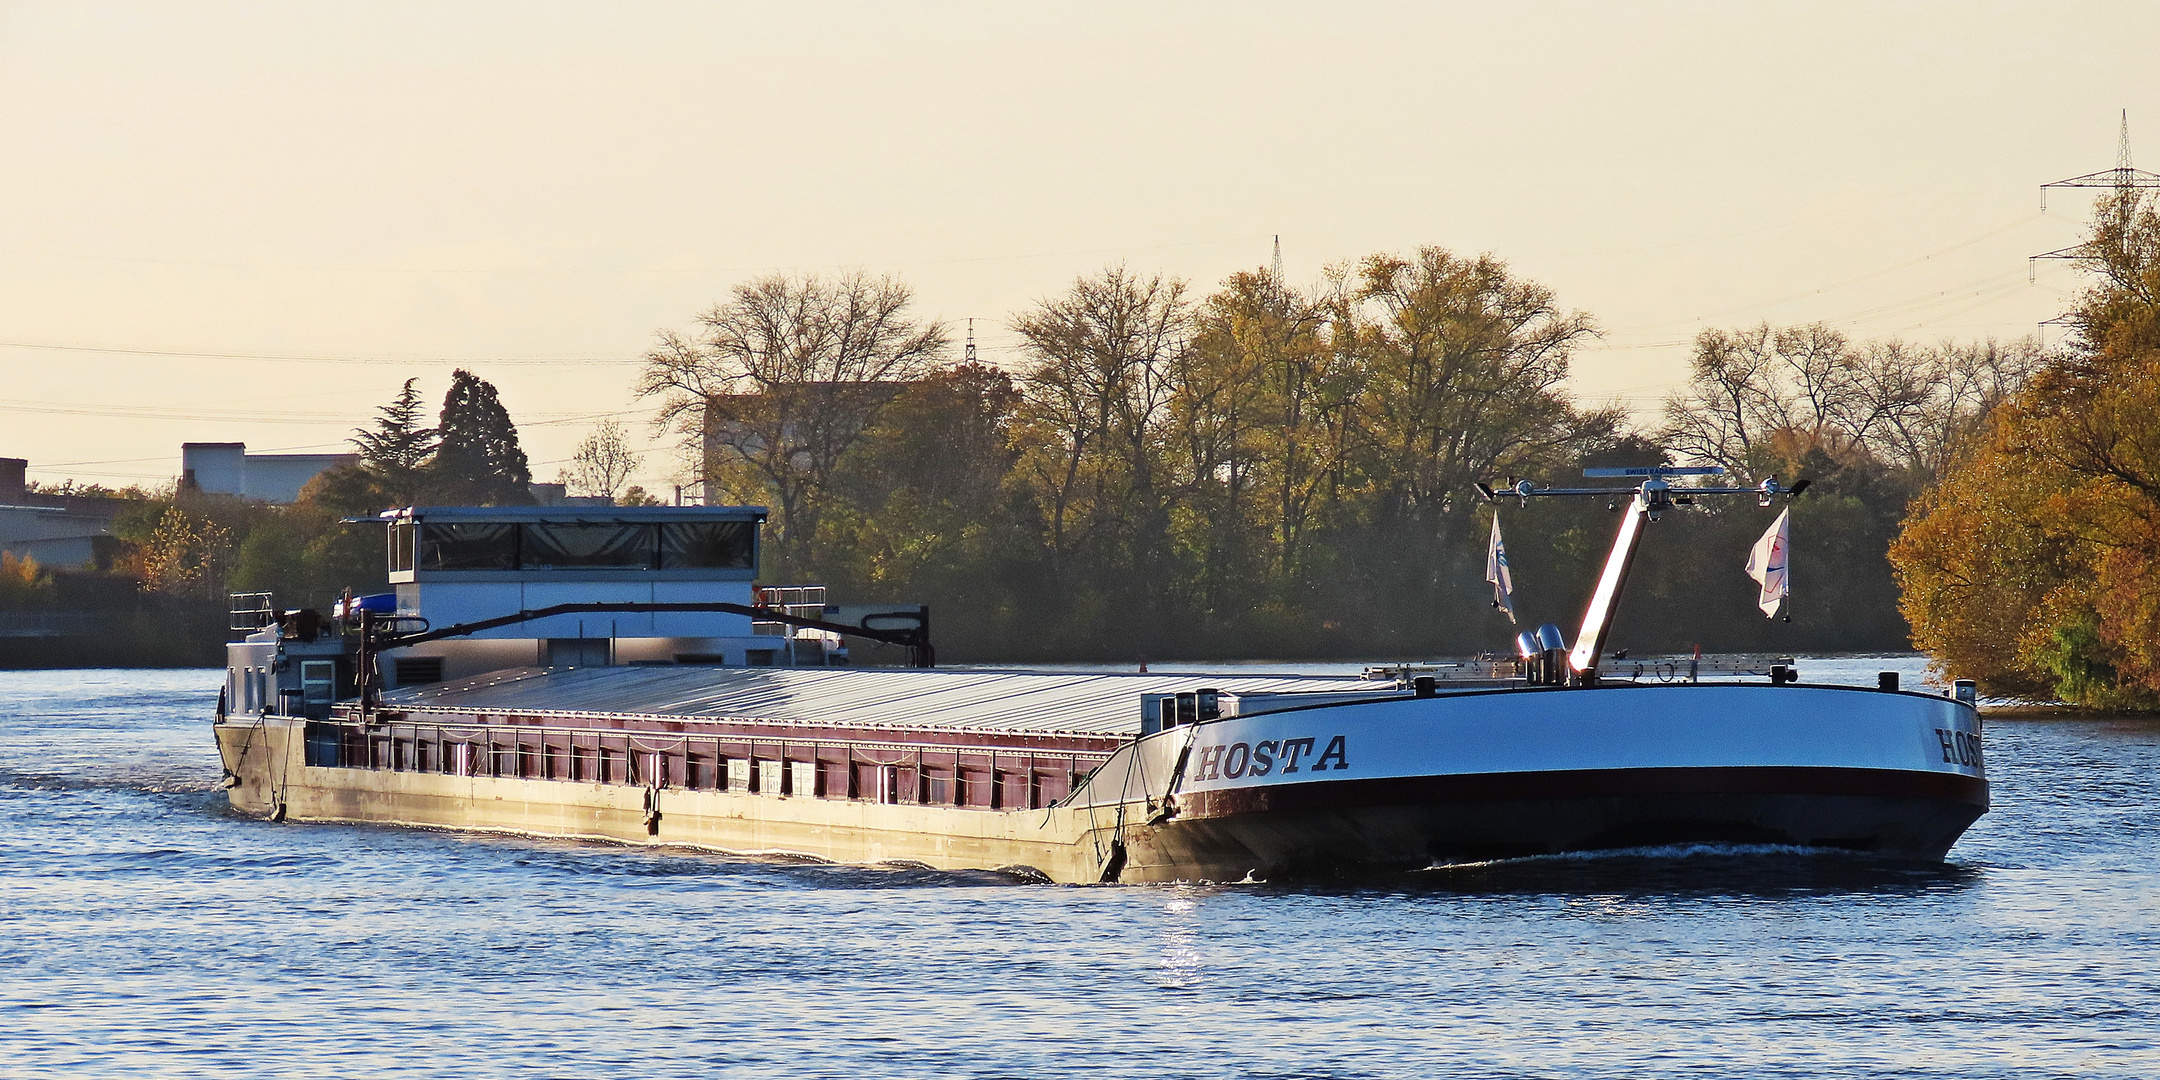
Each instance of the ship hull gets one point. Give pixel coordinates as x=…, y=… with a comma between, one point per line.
x=1349, y=827
x=273, y=781
x=1391, y=784
x=1403, y=783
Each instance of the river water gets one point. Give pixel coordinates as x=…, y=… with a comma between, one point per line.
x=146, y=931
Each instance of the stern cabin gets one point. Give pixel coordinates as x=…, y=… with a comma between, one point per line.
x=452, y=565
x=462, y=564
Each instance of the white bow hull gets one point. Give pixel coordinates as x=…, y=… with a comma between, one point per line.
x=1406, y=782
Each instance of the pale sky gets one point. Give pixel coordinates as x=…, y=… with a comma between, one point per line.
x=252, y=222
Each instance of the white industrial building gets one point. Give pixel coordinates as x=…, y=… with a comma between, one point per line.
x=56, y=530
x=228, y=469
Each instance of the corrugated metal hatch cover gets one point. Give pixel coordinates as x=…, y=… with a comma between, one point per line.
x=1049, y=702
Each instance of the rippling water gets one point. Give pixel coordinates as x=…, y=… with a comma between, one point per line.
x=146, y=931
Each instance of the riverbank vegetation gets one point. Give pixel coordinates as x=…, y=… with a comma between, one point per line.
x=2034, y=566
x=1263, y=470
x=1271, y=471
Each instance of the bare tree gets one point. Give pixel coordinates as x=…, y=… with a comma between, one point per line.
x=603, y=462
x=1795, y=389
x=1806, y=387
x=1976, y=377
x=1899, y=392
x=1820, y=402
x=1719, y=417
x=785, y=378
x=1106, y=357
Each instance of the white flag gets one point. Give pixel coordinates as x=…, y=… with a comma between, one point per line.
x=1766, y=564
x=1496, y=571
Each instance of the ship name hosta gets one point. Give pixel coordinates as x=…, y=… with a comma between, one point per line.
x=1959, y=747
x=1281, y=757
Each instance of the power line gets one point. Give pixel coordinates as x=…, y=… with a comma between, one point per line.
x=647, y=270
x=61, y=408
x=1864, y=204
x=305, y=359
x=102, y=472
x=1996, y=282
x=1989, y=298
x=50, y=466
x=1986, y=289
x=572, y=419
x=1870, y=275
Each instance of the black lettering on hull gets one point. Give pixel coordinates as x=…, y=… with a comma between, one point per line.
x=1236, y=761
x=1210, y=763
x=1292, y=750
x=1960, y=748
x=1337, y=751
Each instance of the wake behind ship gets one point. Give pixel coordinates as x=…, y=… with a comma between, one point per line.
x=612, y=673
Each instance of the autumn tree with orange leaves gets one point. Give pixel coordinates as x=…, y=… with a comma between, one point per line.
x=2034, y=566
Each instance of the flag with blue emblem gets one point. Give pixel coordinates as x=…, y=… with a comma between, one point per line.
x=1496, y=571
x=1766, y=564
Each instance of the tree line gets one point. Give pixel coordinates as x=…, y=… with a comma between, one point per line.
x=1268, y=471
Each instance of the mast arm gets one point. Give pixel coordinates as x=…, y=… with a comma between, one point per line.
x=1651, y=498
x=1597, y=619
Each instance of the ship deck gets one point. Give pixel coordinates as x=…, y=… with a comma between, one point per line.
x=962, y=738
x=1088, y=705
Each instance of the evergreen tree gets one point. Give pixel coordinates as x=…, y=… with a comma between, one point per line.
x=396, y=452
x=477, y=458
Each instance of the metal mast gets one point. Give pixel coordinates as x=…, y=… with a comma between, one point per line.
x=1647, y=503
x=2122, y=179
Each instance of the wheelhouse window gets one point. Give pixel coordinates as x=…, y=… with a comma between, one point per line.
x=469, y=545
x=401, y=546
x=574, y=545
x=708, y=545
x=557, y=545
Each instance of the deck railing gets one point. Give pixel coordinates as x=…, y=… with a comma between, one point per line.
x=898, y=773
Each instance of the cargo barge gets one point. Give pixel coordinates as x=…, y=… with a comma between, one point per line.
x=613, y=674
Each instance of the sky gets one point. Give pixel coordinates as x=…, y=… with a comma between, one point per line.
x=252, y=222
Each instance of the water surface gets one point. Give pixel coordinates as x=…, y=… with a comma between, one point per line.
x=145, y=930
